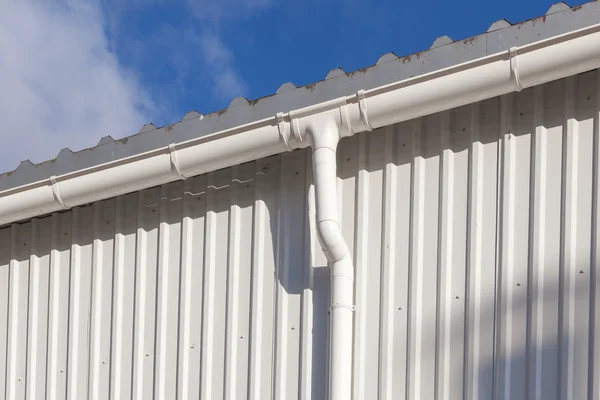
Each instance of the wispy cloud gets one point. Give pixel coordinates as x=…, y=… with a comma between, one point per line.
x=219, y=59
x=215, y=14
x=62, y=85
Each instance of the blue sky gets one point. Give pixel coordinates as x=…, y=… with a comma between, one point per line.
x=80, y=70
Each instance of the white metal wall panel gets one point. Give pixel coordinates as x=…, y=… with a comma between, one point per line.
x=474, y=235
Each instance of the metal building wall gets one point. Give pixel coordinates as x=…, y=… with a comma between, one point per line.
x=474, y=238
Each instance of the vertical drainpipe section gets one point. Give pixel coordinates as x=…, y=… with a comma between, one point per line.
x=324, y=145
x=324, y=132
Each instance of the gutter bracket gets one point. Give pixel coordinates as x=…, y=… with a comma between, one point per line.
x=56, y=193
x=175, y=162
x=346, y=125
x=282, y=133
x=296, y=130
x=514, y=67
x=362, y=105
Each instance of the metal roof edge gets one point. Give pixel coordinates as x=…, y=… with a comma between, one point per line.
x=388, y=69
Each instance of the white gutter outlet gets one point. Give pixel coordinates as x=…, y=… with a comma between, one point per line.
x=324, y=137
x=320, y=126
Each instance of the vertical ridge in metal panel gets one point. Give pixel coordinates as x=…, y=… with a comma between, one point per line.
x=567, y=345
x=416, y=265
x=506, y=237
x=594, y=354
x=239, y=265
x=482, y=245
x=515, y=248
x=145, y=296
x=583, y=113
x=403, y=173
x=263, y=278
x=255, y=369
x=388, y=278
x=290, y=272
x=103, y=296
x=257, y=293
x=18, y=321
x=374, y=214
x=307, y=309
x=75, y=305
x=123, y=296
x=232, y=299
x=162, y=296
x=5, y=241
x=280, y=359
x=474, y=259
x=185, y=283
x=446, y=220
x=117, y=307
x=168, y=290
x=33, y=312
x=425, y=259
x=293, y=266
x=349, y=159
x=537, y=243
x=194, y=209
x=208, y=292
x=58, y=306
x=360, y=265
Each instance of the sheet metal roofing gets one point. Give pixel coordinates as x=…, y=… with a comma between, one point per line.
x=443, y=53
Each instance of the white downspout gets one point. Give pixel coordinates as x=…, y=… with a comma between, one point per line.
x=324, y=145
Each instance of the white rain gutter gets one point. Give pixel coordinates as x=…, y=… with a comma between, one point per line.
x=320, y=126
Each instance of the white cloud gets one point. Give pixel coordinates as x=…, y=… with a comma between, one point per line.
x=62, y=86
x=227, y=82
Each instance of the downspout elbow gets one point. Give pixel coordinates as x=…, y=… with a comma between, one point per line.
x=330, y=237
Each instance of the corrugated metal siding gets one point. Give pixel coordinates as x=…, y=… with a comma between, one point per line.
x=473, y=233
